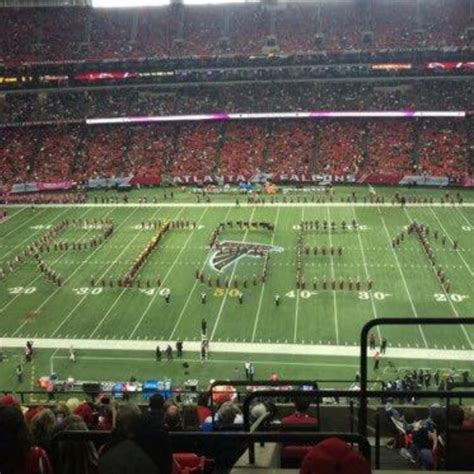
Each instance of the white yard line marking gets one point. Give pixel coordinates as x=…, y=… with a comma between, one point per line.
x=61, y=256
x=367, y=275
x=449, y=299
x=463, y=216
x=221, y=309
x=257, y=317
x=188, y=299
x=76, y=270
x=11, y=216
x=34, y=216
x=114, y=262
x=166, y=276
x=32, y=235
x=451, y=240
x=333, y=273
x=119, y=297
x=297, y=306
x=410, y=299
x=240, y=348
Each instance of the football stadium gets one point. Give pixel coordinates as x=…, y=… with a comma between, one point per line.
x=236, y=236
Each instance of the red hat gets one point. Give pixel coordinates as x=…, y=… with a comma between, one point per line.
x=31, y=413
x=8, y=400
x=85, y=412
x=334, y=456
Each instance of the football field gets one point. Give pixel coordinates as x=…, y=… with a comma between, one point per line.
x=103, y=319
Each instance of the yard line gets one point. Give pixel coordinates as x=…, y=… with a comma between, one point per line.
x=21, y=225
x=4, y=307
x=167, y=275
x=219, y=314
x=410, y=299
x=119, y=297
x=188, y=299
x=101, y=276
x=30, y=236
x=364, y=261
x=451, y=240
x=9, y=216
x=77, y=269
x=448, y=298
x=333, y=277
x=297, y=307
x=263, y=285
x=463, y=216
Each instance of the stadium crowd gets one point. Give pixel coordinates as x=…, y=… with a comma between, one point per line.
x=60, y=105
x=60, y=34
x=139, y=440
x=301, y=147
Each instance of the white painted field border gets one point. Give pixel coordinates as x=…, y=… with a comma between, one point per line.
x=221, y=309
x=333, y=273
x=410, y=299
x=183, y=248
x=250, y=205
x=241, y=348
x=61, y=256
x=152, y=360
x=122, y=292
x=188, y=299
x=99, y=247
x=364, y=261
x=449, y=299
x=259, y=307
x=452, y=241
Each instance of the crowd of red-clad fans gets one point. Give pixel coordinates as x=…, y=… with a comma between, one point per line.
x=139, y=439
x=82, y=33
x=250, y=97
x=341, y=147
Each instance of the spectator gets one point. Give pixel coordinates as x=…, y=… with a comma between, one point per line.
x=124, y=454
x=334, y=456
x=42, y=427
x=203, y=407
x=190, y=418
x=301, y=415
x=173, y=418
x=75, y=457
x=17, y=452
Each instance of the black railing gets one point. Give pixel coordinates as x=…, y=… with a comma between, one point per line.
x=193, y=438
x=364, y=336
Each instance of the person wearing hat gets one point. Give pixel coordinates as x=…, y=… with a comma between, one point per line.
x=334, y=456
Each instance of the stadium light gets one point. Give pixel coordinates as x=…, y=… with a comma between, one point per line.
x=129, y=3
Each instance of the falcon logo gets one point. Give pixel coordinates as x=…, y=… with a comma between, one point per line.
x=229, y=252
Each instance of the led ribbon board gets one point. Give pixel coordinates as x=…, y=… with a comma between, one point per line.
x=279, y=115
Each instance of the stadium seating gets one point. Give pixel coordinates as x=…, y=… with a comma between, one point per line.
x=81, y=33
x=344, y=147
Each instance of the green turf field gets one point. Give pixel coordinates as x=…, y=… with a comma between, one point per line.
x=405, y=284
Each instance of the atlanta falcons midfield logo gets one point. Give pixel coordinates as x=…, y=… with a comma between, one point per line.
x=228, y=252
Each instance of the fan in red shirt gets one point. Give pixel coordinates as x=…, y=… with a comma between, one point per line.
x=203, y=409
x=301, y=415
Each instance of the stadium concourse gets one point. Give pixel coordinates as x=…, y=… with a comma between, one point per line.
x=201, y=208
